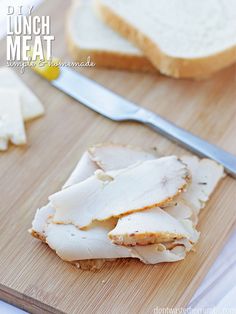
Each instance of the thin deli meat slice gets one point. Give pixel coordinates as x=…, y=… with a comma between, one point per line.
x=90, y=249
x=106, y=156
x=75, y=245
x=43, y=229
x=151, y=226
x=116, y=193
x=113, y=157
x=206, y=174
x=109, y=156
x=172, y=236
x=84, y=169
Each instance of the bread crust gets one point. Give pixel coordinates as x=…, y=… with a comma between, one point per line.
x=197, y=68
x=108, y=59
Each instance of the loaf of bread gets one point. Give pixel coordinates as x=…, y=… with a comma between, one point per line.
x=182, y=38
x=88, y=36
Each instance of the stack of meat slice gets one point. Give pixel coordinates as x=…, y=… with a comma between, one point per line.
x=122, y=202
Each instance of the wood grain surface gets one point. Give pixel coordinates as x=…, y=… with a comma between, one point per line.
x=31, y=275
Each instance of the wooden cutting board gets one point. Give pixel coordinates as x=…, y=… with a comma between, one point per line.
x=31, y=275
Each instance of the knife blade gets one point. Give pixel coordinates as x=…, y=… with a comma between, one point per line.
x=117, y=108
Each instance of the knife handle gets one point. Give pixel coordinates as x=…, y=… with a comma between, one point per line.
x=48, y=69
x=188, y=140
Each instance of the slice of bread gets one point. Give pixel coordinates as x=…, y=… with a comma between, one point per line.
x=89, y=36
x=182, y=38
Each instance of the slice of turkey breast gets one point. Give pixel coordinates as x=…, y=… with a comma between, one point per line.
x=114, y=156
x=81, y=246
x=151, y=226
x=113, y=194
x=205, y=176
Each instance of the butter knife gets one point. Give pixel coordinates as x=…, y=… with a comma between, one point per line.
x=117, y=108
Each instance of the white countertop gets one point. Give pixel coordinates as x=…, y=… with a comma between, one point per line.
x=219, y=287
